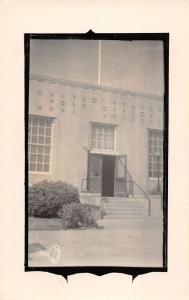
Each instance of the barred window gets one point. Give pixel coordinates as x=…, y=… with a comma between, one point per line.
x=155, y=153
x=103, y=137
x=39, y=144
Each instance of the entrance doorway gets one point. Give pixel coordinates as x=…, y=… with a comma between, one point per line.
x=107, y=174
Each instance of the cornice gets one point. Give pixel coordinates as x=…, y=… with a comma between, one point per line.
x=94, y=87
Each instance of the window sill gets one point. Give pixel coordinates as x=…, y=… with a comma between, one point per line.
x=39, y=173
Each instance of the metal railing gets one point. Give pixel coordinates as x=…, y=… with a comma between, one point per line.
x=131, y=190
x=144, y=193
x=131, y=181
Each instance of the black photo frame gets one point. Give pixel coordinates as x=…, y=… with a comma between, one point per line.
x=101, y=270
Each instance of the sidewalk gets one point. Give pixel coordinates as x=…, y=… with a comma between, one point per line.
x=131, y=243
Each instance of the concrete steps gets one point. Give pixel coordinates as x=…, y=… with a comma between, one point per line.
x=120, y=208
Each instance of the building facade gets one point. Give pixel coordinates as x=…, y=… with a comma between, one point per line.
x=100, y=139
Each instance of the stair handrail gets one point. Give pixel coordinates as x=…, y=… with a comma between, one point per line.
x=144, y=193
x=128, y=181
x=140, y=188
x=129, y=174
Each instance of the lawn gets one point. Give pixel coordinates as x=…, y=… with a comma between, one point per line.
x=135, y=243
x=44, y=224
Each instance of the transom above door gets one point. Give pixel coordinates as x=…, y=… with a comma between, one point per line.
x=103, y=138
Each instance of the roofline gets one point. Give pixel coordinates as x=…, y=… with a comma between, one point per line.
x=94, y=87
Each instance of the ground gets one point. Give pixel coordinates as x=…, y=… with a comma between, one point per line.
x=122, y=242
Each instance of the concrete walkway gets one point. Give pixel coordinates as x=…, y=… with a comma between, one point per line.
x=130, y=243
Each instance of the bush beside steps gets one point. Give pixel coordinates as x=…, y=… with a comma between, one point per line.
x=78, y=215
x=47, y=197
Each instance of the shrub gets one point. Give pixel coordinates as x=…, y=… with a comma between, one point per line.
x=77, y=215
x=47, y=197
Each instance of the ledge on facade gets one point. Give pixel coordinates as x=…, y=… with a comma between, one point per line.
x=42, y=115
x=94, y=87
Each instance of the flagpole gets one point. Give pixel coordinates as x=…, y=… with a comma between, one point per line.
x=99, y=61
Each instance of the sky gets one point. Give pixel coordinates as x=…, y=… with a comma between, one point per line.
x=130, y=65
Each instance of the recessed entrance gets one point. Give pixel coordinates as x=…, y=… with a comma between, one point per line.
x=107, y=174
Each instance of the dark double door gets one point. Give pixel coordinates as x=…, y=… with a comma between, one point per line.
x=107, y=175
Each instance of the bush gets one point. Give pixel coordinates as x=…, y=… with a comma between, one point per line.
x=47, y=197
x=77, y=215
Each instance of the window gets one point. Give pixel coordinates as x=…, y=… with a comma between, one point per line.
x=103, y=137
x=155, y=153
x=39, y=144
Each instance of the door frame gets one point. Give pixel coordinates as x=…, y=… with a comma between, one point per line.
x=88, y=172
x=125, y=175
x=113, y=174
x=117, y=156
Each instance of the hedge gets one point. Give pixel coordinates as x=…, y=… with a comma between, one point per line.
x=76, y=215
x=47, y=197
